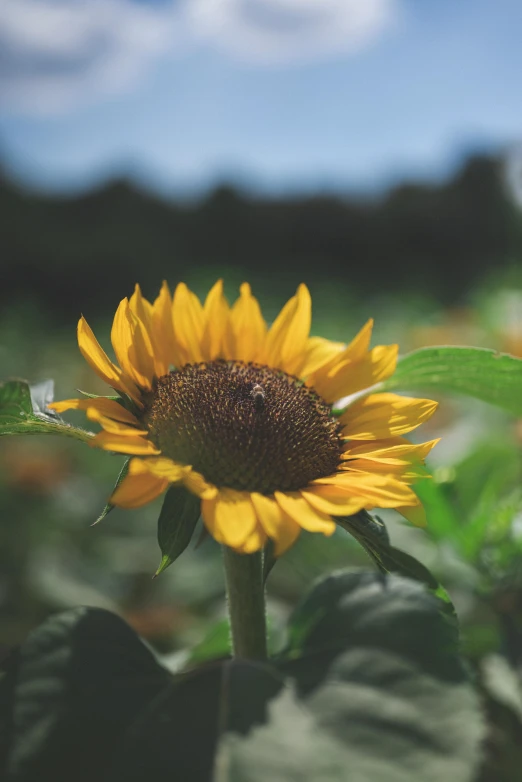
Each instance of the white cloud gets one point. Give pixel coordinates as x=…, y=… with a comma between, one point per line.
x=55, y=54
x=275, y=31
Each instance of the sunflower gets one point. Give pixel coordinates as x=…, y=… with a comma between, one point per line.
x=242, y=414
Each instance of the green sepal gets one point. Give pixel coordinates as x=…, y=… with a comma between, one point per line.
x=24, y=410
x=177, y=521
x=114, y=398
x=123, y=472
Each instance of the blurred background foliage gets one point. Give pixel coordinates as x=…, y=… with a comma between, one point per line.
x=432, y=264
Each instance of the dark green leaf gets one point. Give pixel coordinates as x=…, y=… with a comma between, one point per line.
x=373, y=536
x=371, y=610
x=123, y=472
x=376, y=718
x=178, y=736
x=387, y=701
x=484, y=374
x=23, y=411
x=178, y=518
x=80, y=680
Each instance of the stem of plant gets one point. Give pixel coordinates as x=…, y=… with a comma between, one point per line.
x=246, y=603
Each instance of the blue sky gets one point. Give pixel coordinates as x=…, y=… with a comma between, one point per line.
x=277, y=94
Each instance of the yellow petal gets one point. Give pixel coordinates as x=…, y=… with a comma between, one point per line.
x=287, y=338
x=345, y=378
x=283, y=530
x=108, y=407
x=216, y=312
x=188, y=323
x=124, y=444
x=404, y=453
x=97, y=358
x=137, y=490
x=196, y=483
x=140, y=307
x=161, y=467
x=341, y=357
x=163, y=332
x=385, y=415
x=415, y=514
x=132, y=346
x=143, y=311
x=405, y=461
x=335, y=506
x=311, y=519
x=318, y=353
x=114, y=427
x=255, y=541
x=359, y=345
x=229, y=517
x=249, y=329
x=383, y=491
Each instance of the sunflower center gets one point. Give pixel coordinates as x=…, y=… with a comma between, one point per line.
x=244, y=426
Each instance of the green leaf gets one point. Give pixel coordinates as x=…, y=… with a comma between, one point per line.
x=123, y=472
x=178, y=518
x=23, y=410
x=368, y=609
x=376, y=718
x=214, y=645
x=373, y=537
x=484, y=374
x=177, y=738
x=78, y=683
x=374, y=705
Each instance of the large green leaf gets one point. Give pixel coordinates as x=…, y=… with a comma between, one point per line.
x=375, y=718
x=484, y=374
x=178, y=737
x=365, y=609
x=23, y=410
x=371, y=688
x=78, y=683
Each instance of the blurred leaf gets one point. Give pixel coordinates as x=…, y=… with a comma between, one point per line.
x=123, y=472
x=19, y=416
x=214, y=645
x=376, y=718
x=484, y=374
x=443, y=522
x=502, y=695
x=502, y=683
x=178, y=518
x=370, y=610
x=79, y=681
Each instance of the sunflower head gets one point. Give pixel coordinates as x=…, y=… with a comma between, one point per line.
x=242, y=415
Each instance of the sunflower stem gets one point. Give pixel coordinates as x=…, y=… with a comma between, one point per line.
x=246, y=603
